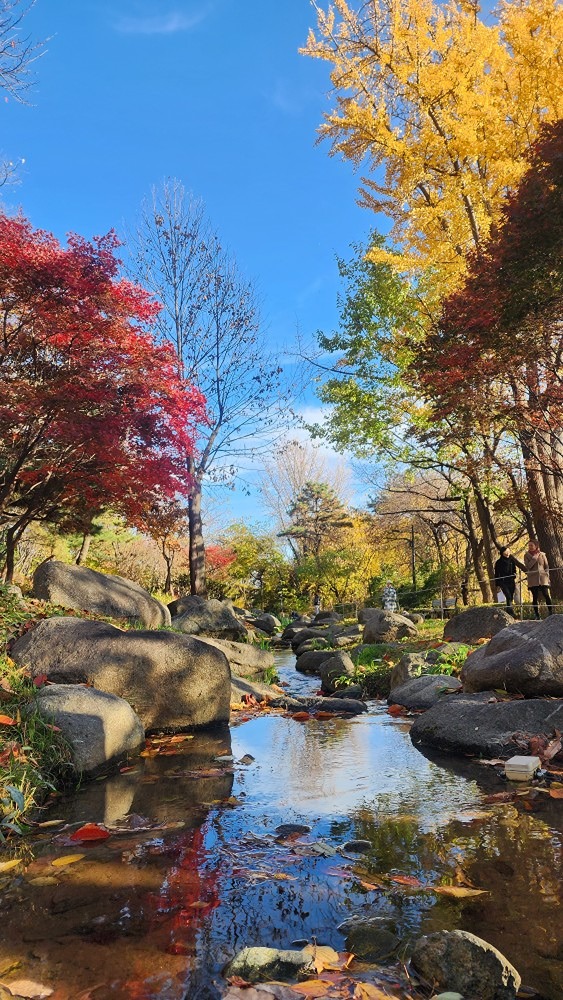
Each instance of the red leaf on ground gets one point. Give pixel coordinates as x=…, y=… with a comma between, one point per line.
x=40, y=680
x=6, y=720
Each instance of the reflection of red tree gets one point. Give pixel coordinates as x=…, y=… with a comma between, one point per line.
x=189, y=892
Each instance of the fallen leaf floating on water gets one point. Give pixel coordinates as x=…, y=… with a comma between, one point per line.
x=396, y=710
x=68, y=859
x=300, y=716
x=409, y=880
x=28, y=988
x=247, y=759
x=456, y=891
x=91, y=831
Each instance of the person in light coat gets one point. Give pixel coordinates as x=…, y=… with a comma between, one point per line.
x=389, y=597
x=537, y=570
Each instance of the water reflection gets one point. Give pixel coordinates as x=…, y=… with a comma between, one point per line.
x=155, y=914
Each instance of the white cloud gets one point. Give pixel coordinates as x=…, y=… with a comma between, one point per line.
x=160, y=24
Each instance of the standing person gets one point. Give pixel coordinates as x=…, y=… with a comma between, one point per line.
x=505, y=576
x=537, y=569
x=389, y=597
x=317, y=603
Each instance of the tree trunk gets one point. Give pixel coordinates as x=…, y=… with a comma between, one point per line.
x=475, y=545
x=168, y=559
x=196, y=545
x=545, y=492
x=84, y=548
x=488, y=534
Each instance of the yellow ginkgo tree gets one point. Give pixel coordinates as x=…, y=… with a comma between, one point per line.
x=438, y=104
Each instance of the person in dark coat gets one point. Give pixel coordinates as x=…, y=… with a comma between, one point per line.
x=505, y=576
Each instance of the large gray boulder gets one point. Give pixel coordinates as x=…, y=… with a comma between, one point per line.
x=478, y=724
x=99, y=727
x=245, y=659
x=310, y=662
x=261, y=964
x=387, y=626
x=87, y=590
x=420, y=693
x=307, y=633
x=196, y=616
x=476, y=623
x=525, y=657
x=458, y=960
x=266, y=623
x=171, y=681
x=339, y=665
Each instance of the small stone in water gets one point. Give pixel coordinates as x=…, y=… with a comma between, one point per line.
x=357, y=846
x=449, y=996
x=288, y=829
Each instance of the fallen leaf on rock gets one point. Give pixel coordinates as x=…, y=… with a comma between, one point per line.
x=324, y=957
x=50, y=822
x=40, y=680
x=43, y=880
x=7, y=866
x=456, y=891
x=68, y=859
x=90, y=831
x=27, y=988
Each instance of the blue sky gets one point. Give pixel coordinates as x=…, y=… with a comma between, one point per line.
x=212, y=92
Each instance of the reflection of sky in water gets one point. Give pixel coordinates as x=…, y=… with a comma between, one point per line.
x=333, y=767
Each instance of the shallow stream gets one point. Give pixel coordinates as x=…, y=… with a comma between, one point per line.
x=154, y=914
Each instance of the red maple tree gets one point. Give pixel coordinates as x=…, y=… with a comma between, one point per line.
x=93, y=413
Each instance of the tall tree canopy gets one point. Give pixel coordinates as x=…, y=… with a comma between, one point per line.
x=93, y=412
x=210, y=314
x=440, y=106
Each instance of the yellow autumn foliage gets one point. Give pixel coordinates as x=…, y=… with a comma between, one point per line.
x=440, y=104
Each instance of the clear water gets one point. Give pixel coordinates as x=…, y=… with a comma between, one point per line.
x=157, y=913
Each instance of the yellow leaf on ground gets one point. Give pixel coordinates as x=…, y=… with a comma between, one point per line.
x=68, y=859
x=457, y=891
x=6, y=866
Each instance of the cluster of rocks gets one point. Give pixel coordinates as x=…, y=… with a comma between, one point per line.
x=510, y=690
x=458, y=962
x=108, y=688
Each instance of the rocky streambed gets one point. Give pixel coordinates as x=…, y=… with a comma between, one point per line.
x=276, y=833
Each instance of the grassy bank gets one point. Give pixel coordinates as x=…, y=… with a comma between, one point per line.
x=35, y=760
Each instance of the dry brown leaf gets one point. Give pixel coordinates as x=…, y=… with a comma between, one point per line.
x=367, y=991
x=457, y=891
x=313, y=988
x=556, y=793
x=28, y=988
